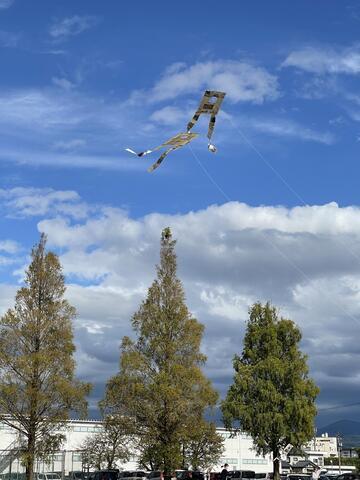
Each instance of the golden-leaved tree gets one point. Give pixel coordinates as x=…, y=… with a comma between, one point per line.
x=161, y=385
x=38, y=388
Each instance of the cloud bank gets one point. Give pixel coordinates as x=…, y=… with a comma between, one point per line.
x=305, y=260
x=325, y=60
x=242, y=81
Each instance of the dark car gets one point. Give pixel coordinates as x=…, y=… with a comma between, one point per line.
x=134, y=475
x=240, y=474
x=78, y=475
x=104, y=475
x=155, y=475
x=298, y=476
x=189, y=475
x=348, y=476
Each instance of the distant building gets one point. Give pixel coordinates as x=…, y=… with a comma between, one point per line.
x=350, y=452
x=325, y=444
x=239, y=451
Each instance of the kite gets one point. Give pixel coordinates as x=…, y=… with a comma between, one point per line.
x=210, y=105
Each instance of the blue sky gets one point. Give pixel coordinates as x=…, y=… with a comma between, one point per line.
x=273, y=215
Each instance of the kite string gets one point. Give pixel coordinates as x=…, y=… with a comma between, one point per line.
x=275, y=247
x=286, y=183
x=213, y=181
x=267, y=163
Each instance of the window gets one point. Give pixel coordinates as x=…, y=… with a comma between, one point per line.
x=229, y=460
x=254, y=461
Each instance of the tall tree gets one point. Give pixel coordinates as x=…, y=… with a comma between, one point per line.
x=160, y=383
x=272, y=397
x=37, y=384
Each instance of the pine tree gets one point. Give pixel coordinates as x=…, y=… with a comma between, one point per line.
x=37, y=385
x=160, y=384
x=272, y=396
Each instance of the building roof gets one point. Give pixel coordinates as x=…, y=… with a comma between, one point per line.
x=304, y=464
x=297, y=452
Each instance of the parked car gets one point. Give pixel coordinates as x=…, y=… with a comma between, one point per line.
x=155, y=475
x=78, y=475
x=348, y=476
x=240, y=474
x=138, y=474
x=104, y=475
x=298, y=476
x=189, y=475
x=215, y=476
x=48, y=476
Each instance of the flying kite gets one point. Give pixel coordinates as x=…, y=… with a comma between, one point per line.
x=210, y=104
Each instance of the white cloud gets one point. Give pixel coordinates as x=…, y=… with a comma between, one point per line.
x=9, y=39
x=24, y=202
x=321, y=60
x=8, y=246
x=7, y=294
x=241, y=81
x=170, y=116
x=288, y=128
x=306, y=260
x=6, y=4
x=63, y=83
x=41, y=117
x=72, y=26
x=70, y=145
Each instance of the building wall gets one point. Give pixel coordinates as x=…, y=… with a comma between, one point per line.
x=239, y=450
x=323, y=444
x=240, y=453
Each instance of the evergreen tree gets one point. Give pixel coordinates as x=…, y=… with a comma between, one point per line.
x=37, y=385
x=271, y=397
x=160, y=384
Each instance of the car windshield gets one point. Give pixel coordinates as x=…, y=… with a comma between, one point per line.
x=53, y=476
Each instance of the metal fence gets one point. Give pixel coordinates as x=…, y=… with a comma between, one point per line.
x=62, y=462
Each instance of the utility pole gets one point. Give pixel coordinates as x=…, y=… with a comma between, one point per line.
x=339, y=445
x=315, y=432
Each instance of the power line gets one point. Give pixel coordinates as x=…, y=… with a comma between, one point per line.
x=336, y=407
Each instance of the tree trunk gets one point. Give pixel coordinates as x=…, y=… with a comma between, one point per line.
x=276, y=464
x=30, y=456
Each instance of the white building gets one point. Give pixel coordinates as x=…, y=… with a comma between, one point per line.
x=325, y=444
x=240, y=454
x=239, y=451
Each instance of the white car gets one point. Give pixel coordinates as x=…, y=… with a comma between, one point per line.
x=48, y=476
